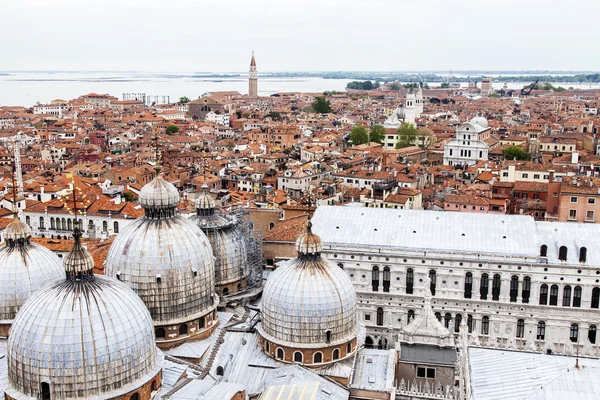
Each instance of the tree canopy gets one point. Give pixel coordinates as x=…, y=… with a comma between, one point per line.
x=172, y=129
x=394, y=86
x=321, y=105
x=359, y=135
x=377, y=134
x=515, y=153
x=407, y=135
x=275, y=115
x=364, y=85
x=184, y=99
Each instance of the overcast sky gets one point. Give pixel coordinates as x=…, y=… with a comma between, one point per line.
x=299, y=35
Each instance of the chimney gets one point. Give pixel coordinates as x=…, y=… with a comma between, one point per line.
x=551, y=176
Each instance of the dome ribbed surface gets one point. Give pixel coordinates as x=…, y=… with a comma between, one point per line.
x=24, y=269
x=175, y=250
x=159, y=194
x=91, y=338
x=79, y=260
x=205, y=202
x=305, y=298
x=309, y=243
x=17, y=230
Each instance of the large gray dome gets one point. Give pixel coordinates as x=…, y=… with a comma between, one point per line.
x=87, y=338
x=305, y=298
x=167, y=260
x=25, y=267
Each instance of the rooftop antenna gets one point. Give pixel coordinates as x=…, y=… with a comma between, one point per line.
x=156, y=139
x=17, y=163
x=14, y=192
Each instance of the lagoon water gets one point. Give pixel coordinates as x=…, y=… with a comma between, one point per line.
x=29, y=88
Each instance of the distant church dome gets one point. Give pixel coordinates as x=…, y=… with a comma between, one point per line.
x=25, y=267
x=228, y=244
x=85, y=336
x=480, y=120
x=169, y=263
x=309, y=304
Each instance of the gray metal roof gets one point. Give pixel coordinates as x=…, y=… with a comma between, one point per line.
x=296, y=375
x=418, y=353
x=374, y=370
x=456, y=232
x=207, y=389
x=513, y=375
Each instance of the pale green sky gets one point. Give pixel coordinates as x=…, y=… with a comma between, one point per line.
x=218, y=35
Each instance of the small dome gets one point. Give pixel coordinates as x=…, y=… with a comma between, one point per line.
x=305, y=299
x=480, y=120
x=159, y=194
x=79, y=261
x=205, y=201
x=17, y=230
x=309, y=243
x=25, y=267
x=86, y=338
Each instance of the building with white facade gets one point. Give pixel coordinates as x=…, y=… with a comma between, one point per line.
x=221, y=118
x=57, y=109
x=517, y=283
x=469, y=145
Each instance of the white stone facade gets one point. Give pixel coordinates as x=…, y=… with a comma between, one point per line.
x=469, y=145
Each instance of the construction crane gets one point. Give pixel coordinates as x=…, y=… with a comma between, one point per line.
x=526, y=91
x=18, y=170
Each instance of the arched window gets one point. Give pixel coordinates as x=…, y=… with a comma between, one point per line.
x=541, y=330
x=41, y=222
x=447, y=319
x=116, y=227
x=470, y=323
x=592, y=334
x=328, y=336
x=544, y=251
x=438, y=315
x=153, y=386
x=135, y=396
x=583, y=255
x=336, y=354
x=375, y=278
x=318, y=358
x=220, y=371
x=386, y=279
x=496, y=287
x=225, y=291
x=520, y=328
x=468, y=285
x=526, y=289
x=577, y=296
x=271, y=225
x=298, y=357
x=411, y=316
x=160, y=333
x=484, y=286
x=349, y=348
x=91, y=226
x=432, y=276
x=562, y=253
x=280, y=353
x=104, y=226
x=553, y=295
x=485, y=325
x=64, y=224
x=543, y=294
x=574, y=333
x=595, y=298
x=410, y=279
x=45, y=391
x=514, y=288
x=566, y=296
x=28, y=221
x=267, y=347
x=382, y=344
x=457, y=321
x=52, y=224
x=369, y=342
x=183, y=329
x=69, y=224
x=379, y=316
x=202, y=324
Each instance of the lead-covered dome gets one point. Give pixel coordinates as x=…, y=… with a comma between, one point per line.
x=228, y=244
x=307, y=302
x=165, y=259
x=82, y=337
x=479, y=120
x=25, y=267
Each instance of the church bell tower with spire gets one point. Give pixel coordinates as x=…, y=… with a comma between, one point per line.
x=253, y=78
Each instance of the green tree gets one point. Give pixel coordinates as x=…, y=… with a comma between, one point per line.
x=184, y=99
x=129, y=196
x=377, y=134
x=515, y=153
x=445, y=85
x=407, y=135
x=275, y=115
x=394, y=86
x=359, y=135
x=426, y=138
x=321, y=105
x=172, y=129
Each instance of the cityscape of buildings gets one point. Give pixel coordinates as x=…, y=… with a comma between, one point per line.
x=398, y=242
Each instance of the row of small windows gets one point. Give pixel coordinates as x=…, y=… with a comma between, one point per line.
x=299, y=356
x=562, y=253
x=68, y=224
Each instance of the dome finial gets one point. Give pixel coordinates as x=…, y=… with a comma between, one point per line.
x=156, y=139
x=79, y=263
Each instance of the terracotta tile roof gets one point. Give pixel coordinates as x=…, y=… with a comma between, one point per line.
x=288, y=230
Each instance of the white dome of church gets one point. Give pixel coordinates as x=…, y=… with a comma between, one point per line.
x=480, y=120
x=168, y=262
x=228, y=244
x=82, y=337
x=308, y=303
x=25, y=267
